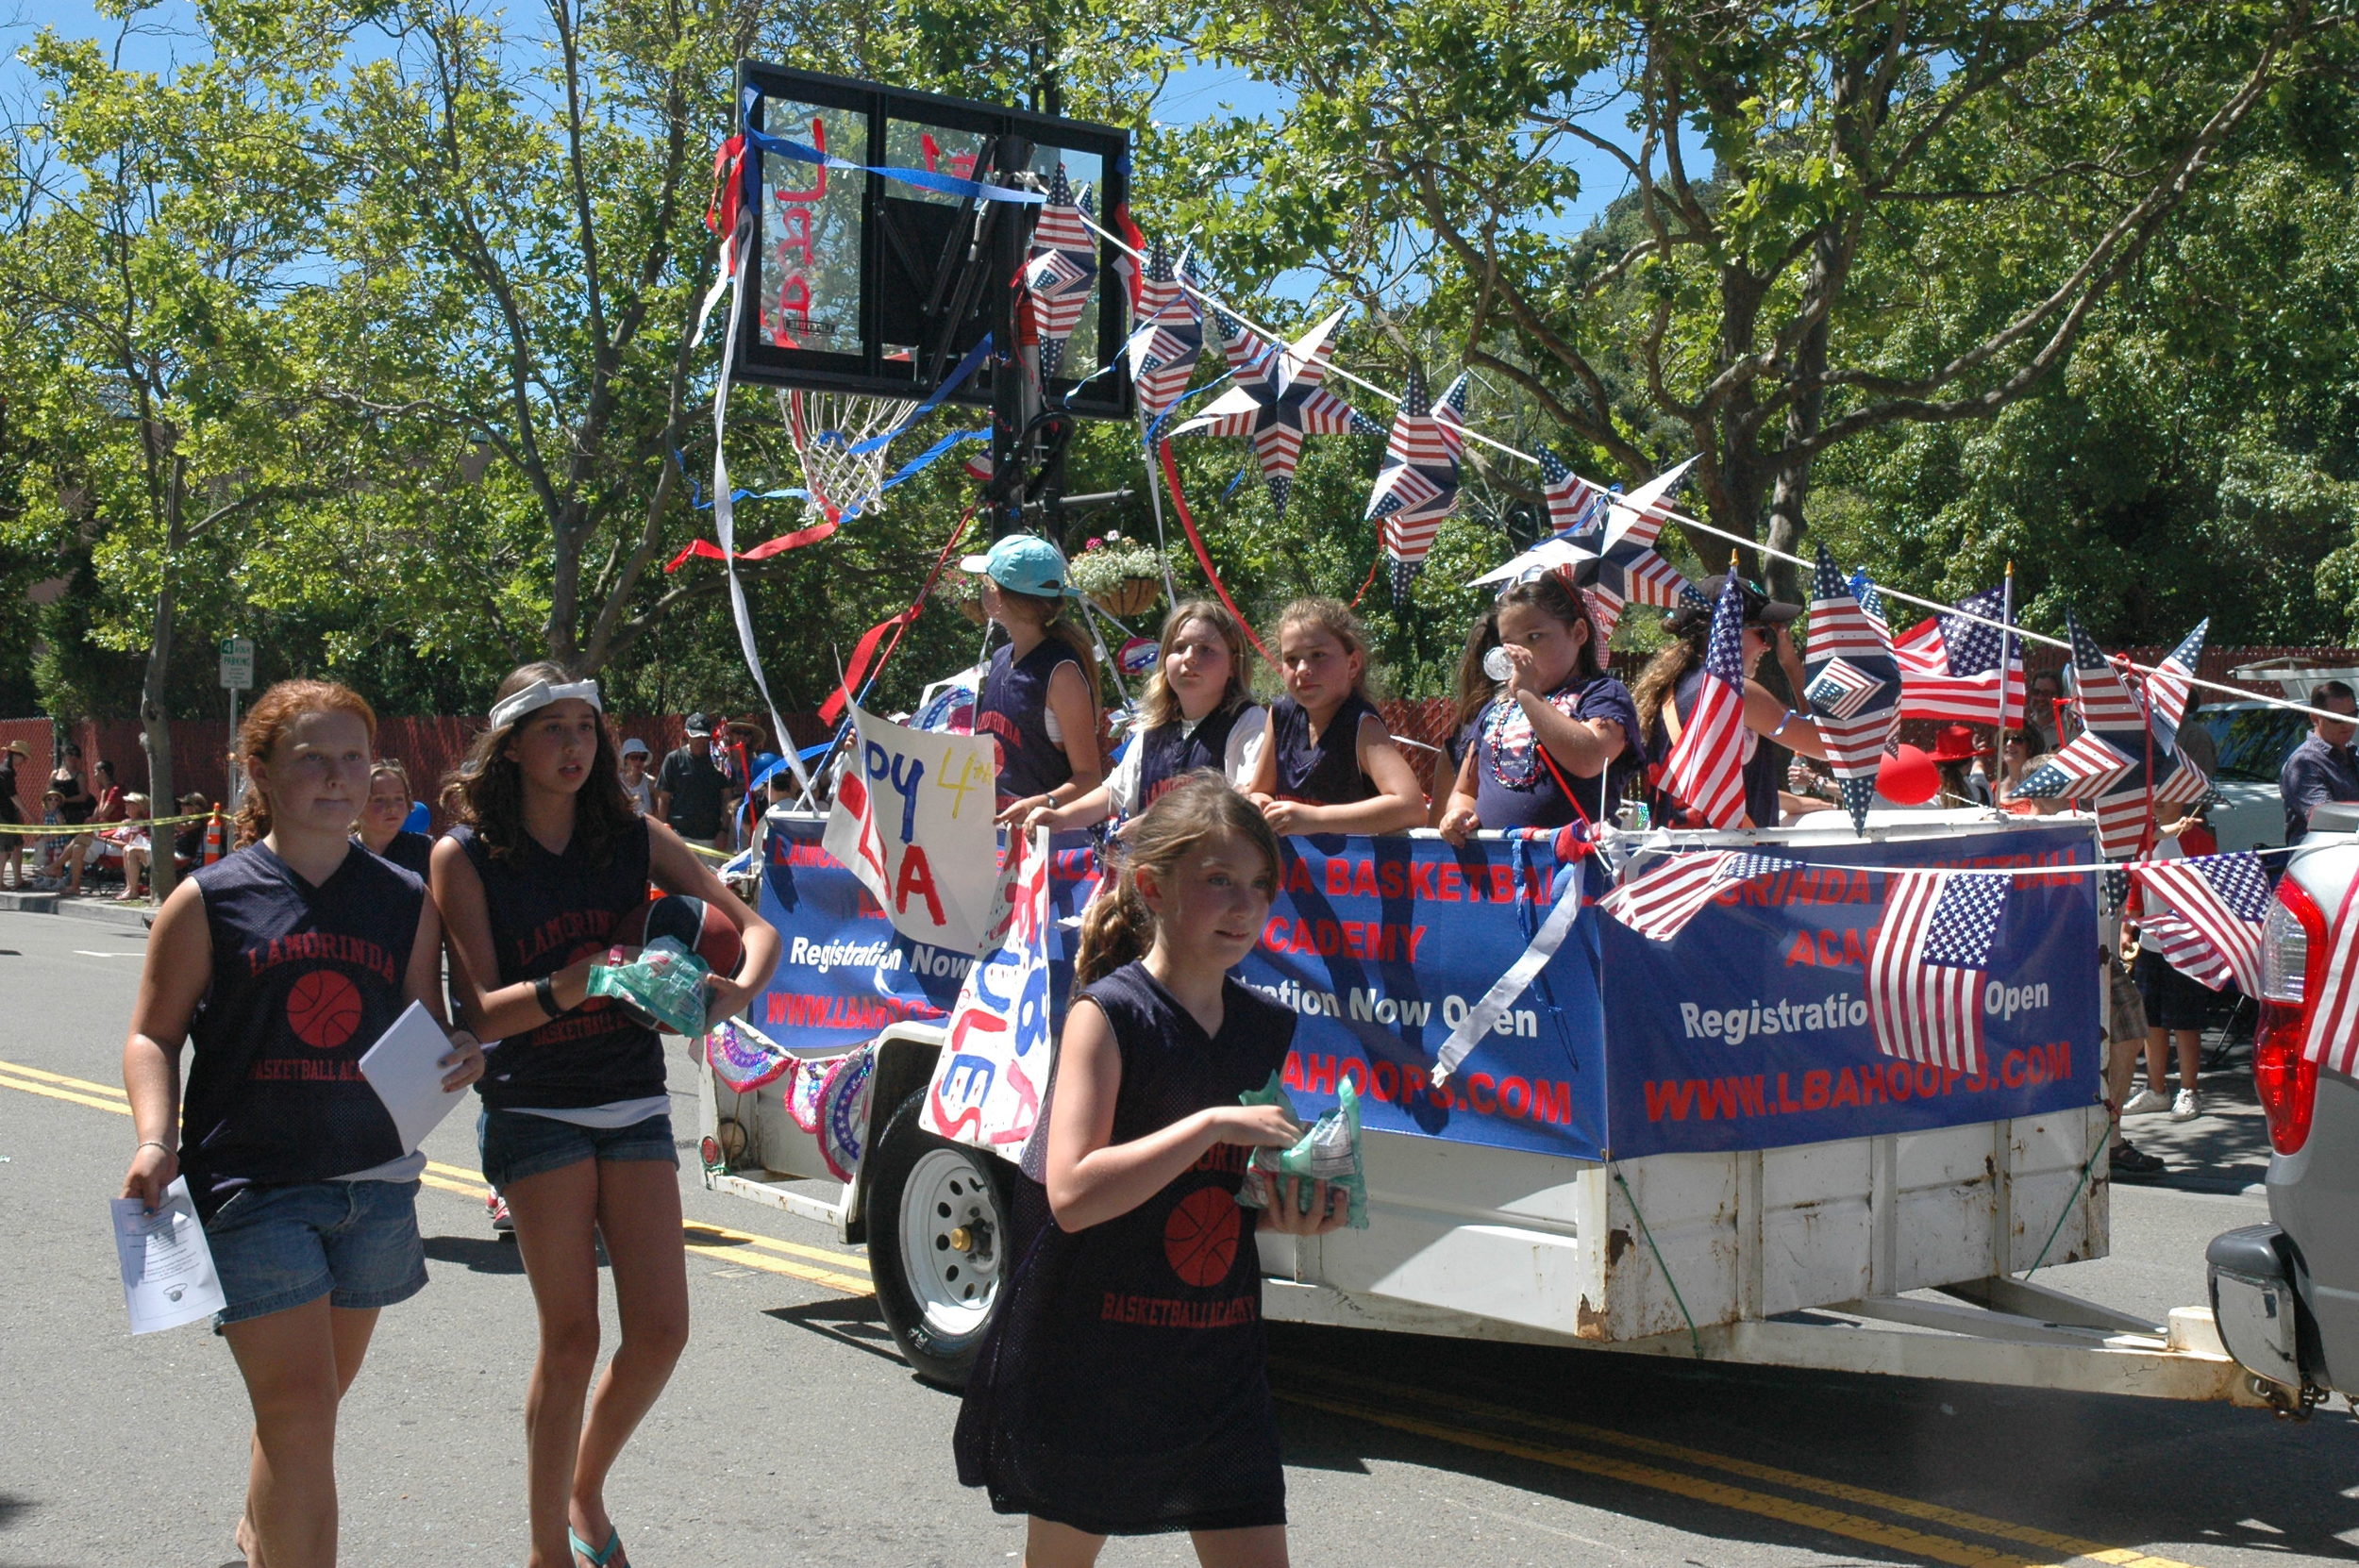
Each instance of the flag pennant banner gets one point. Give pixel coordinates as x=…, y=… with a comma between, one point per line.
x=1060, y=270
x=1169, y=338
x=1417, y=485
x=1706, y=768
x=2168, y=687
x=1278, y=398
x=1853, y=684
x=2210, y=926
x=2332, y=1042
x=1627, y=569
x=1576, y=509
x=2117, y=764
x=1871, y=603
x=1924, y=967
x=1659, y=902
x=1950, y=665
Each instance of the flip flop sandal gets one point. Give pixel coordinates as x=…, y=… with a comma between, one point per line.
x=609, y=1555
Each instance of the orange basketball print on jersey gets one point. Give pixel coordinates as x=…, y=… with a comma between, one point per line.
x=324, y=1008
x=1200, y=1237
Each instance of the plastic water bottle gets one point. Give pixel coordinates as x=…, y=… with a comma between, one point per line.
x=1499, y=663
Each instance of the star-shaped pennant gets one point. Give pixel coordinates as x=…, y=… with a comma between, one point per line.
x=1628, y=570
x=1277, y=399
x=2168, y=688
x=1576, y=509
x=1852, y=685
x=1060, y=270
x=1416, y=486
x=2119, y=762
x=1163, y=350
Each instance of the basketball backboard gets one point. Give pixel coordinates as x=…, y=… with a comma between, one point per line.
x=870, y=284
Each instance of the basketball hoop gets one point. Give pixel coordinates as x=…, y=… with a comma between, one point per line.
x=827, y=429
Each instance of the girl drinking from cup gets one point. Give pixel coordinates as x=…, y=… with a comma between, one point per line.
x=1329, y=765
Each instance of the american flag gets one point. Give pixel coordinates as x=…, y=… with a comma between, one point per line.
x=2117, y=764
x=1950, y=665
x=2168, y=687
x=1060, y=270
x=1417, y=485
x=1163, y=350
x=1660, y=903
x=1277, y=399
x=1854, y=686
x=1924, y=967
x=1706, y=768
x=2333, y=1038
x=1871, y=603
x=2210, y=926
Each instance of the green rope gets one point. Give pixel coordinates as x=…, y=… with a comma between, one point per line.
x=1646, y=1230
x=2104, y=1138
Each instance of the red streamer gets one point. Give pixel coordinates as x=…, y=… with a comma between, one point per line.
x=704, y=549
x=1179, y=506
x=832, y=709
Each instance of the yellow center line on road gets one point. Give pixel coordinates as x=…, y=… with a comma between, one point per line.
x=843, y=1270
x=1935, y=1513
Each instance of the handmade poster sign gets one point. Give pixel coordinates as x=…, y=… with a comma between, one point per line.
x=912, y=820
x=992, y=1068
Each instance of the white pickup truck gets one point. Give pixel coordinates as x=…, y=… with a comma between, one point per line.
x=1690, y=1148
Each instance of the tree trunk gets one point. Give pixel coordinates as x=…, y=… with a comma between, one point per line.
x=155, y=721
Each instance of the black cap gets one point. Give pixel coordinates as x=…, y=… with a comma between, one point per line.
x=699, y=725
x=1760, y=610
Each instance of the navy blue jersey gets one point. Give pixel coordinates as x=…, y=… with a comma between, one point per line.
x=1123, y=1387
x=548, y=911
x=412, y=852
x=1325, y=772
x=1013, y=709
x=303, y=981
x=1167, y=756
x=1515, y=786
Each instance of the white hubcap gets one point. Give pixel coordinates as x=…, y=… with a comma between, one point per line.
x=951, y=1241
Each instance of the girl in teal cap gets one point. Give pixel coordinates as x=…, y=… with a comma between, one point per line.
x=1039, y=698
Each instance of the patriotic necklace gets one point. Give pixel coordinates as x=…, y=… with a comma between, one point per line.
x=1516, y=763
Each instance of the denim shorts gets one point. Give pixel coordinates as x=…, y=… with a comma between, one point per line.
x=355, y=1243
x=516, y=1143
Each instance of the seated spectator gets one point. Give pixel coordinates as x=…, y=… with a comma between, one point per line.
x=2322, y=767
x=188, y=840
x=134, y=839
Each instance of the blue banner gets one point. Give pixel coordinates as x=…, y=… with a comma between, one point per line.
x=1751, y=1031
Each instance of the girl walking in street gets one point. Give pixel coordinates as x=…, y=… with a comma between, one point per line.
x=547, y=857
x=279, y=966
x=1123, y=1388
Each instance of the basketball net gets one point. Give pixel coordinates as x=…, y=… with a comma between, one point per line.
x=826, y=429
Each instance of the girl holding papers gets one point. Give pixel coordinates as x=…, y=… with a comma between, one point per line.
x=280, y=965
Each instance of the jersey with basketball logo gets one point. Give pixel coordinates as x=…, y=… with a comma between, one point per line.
x=1123, y=1388
x=303, y=981
x=548, y=911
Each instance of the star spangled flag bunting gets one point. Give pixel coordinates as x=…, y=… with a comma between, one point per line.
x=1060, y=270
x=1162, y=352
x=1659, y=904
x=1706, y=768
x=2117, y=763
x=2209, y=923
x=1576, y=509
x=2332, y=1042
x=1949, y=665
x=1852, y=685
x=2168, y=687
x=1926, y=965
x=1871, y=603
x=1417, y=485
x=1277, y=399
x=1627, y=568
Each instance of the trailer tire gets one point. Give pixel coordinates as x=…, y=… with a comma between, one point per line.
x=938, y=1243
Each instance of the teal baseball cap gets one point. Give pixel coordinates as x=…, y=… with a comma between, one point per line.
x=1025, y=563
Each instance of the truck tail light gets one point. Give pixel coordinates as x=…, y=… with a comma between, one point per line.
x=2293, y=958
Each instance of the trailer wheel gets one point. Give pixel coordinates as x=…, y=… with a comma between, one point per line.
x=938, y=1243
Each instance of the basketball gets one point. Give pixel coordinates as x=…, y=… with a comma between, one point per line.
x=691, y=921
x=322, y=1008
x=1200, y=1237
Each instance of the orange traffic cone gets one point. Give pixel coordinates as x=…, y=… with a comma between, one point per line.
x=216, y=843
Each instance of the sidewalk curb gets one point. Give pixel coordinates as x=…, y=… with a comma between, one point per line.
x=123, y=917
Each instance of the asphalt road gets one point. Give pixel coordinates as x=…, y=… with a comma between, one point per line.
x=793, y=1435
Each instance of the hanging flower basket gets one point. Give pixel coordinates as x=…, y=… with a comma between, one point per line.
x=1121, y=578
x=964, y=592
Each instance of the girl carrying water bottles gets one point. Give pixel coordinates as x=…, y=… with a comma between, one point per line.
x=1123, y=1390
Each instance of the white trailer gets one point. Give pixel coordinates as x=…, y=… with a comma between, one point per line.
x=1905, y=1253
